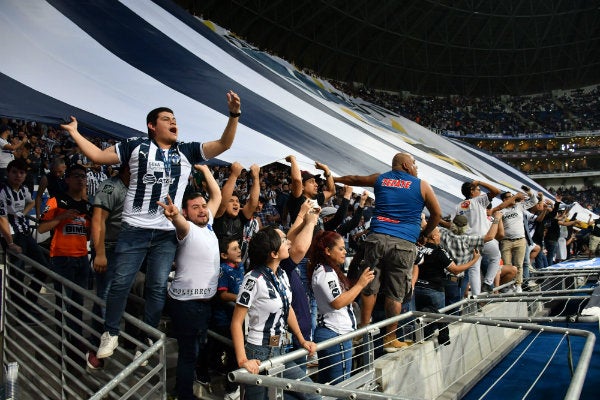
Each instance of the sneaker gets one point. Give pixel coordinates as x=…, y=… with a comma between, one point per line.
x=205, y=381
x=138, y=353
x=487, y=288
x=392, y=346
x=92, y=361
x=518, y=289
x=232, y=395
x=108, y=344
x=312, y=361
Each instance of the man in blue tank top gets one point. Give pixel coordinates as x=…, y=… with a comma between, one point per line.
x=395, y=228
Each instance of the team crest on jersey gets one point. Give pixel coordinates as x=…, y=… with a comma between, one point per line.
x=249, y=284
x=108, y=189
x=244, y=298
x=465, y=204
x=335, y=290
x=175, y=159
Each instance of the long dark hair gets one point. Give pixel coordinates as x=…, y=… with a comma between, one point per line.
x=324, y=240
x=261, y=245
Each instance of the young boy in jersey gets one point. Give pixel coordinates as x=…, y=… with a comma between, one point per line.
x=230, y=279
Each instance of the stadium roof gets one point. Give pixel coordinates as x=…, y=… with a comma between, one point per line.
x=486, y=47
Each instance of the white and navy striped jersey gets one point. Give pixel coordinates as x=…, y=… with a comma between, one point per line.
x=12, y=204
x=154, y=174
x=326, y=287
x=265, y=306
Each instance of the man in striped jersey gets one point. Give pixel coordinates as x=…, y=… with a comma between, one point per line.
x=160, y=166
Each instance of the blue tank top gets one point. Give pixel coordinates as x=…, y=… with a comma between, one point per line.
x=398, y=205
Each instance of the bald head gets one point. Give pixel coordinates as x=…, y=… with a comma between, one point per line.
x=405, y=162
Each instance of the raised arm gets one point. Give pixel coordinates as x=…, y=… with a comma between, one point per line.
x=182, y=225
x=228, y=187
x=214, y=192
x=493, y=231
x=105, y=157
x=357, y=180
x=493, y=191
x=252, y=202
x=216, y=147
x=302, y=238
x=329, y=189
x=296, y=176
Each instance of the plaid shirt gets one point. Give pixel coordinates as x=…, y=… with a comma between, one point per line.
x=460, y=247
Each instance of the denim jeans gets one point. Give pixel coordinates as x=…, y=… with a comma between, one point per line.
x=492, y=252
x=76, y=270
x=551, y=246
x=541, y=261
x=103, y=280
x=452, y=291
x=190, y=323
x=135, y=244
x=312, y=302
x=431, y=300
x=335, y=362
x=292, y=371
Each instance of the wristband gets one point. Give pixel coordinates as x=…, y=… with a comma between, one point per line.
x=234, y=115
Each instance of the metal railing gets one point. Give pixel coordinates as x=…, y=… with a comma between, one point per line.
x=44, y=333
x=491, y=312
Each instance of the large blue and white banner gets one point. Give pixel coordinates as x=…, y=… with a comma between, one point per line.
x=108, y=63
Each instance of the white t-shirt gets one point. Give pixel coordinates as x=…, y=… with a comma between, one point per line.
x=512, y=218
x=326, y=287
x=475, y=211
x=6, y=156
x=197, y=264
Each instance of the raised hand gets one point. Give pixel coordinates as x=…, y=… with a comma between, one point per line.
x=233, y=102
x=171, y=211
x=71, y=127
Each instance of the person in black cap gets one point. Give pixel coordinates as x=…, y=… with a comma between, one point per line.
x=305, y=186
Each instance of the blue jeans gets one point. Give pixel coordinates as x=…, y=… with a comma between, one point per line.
x=541, y=261
x=135, y=244
x=190, y=323
x=292, y=371
x=312, y=302
x=551, y=246
x=452, y=290
x=335, y=362
x=431, y=300
x=76, y=270
x=103, y=280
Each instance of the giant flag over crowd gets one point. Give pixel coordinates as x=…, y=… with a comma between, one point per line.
x=109, y=62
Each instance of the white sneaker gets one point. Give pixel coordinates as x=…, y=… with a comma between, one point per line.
x=138, y=353
x=108, y=344
x=235, y=395
x=518, y=289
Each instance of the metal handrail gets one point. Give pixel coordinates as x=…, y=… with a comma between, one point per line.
x=61, y=370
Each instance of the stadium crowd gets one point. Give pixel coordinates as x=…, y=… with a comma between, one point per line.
x=288, y=229
x=573, y=110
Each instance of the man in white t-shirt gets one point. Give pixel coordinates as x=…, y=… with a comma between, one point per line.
x=196, y=277
x=474, y=208
x=6, y=150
